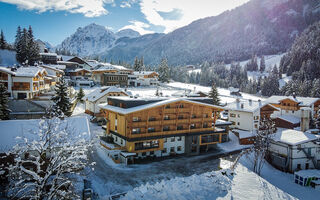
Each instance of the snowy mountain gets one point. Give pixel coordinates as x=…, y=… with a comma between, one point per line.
x=44, y=45
x=89, y=40
x=93, y=40
x=127, y=33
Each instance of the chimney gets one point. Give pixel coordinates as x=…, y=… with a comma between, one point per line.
x=294, y=95
x=250, y=102
x=305, y=119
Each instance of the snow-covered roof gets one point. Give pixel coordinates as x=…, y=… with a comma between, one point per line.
x=6, y=70
x=78, y=70
x=28, y=71
x=232, y=89
x=11, y=129
x=100, y=92
x=308, y=173
x=53, y=67
x=290, y=118
x=247, y=106
x=108, y=66
x=144, y=72
x=48, y=54
x=293, y=137
x=303, y=101
x=244, y=134
x=151, y=105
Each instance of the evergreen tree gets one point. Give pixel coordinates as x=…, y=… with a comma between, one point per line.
x=136, y=65
x=164, y=71
x=3, y=43
x=214, y=95
x=262, y=64
x=315, y=91
x=317, y=120
x=80, y=94
x=61, y=98
x=4, y=108
x=26, y=47
x=270, y=86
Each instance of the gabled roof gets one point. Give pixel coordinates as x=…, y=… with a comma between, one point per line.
x=289, y=118
x=293, y=137
x=101, y=92
x=152, y=105
x=53, y=67
x=29, y=71
x=108, y=66
x=303, y=101
x=247, y=106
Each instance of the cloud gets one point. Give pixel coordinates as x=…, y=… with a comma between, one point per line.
x=138, y=26
x=128, y=3
x=160, y=12
x=89, y=8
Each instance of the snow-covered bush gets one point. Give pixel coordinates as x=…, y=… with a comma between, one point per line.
x=45, y=161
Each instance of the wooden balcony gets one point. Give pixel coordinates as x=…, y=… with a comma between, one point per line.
x=163, y=133
x=21, y=88
x=168, y=122
x=170, y=110
x=3, y=78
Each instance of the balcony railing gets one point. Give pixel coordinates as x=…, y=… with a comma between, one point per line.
x=21, y=88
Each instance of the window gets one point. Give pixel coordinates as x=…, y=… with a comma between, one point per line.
x=307, y=165
x=205, y=115
x=194, y=139
x=135, y=119
x=166, y=117
x=166, y=128
x=172, y=150
x=164, y=150
x=255, y=125
x=165, y=140
x=232, y=115
x=179, y=127
x=238, y=115
x=284, y=104
x=233, y=123
x=116, y=139
x=256, y=118
x=167, y=106
x=192, y=126
x=172, y=139
x=152, y=119
x=287, y=111
x=179, y=138
x=288, y=104
x=179, y=148
x=205, y=125
x=238, y=123
x=144, y=154
x=180, y=117
x=147, y=145
x=298, y=166
x=293, y=111
x=136, y=130
x=151, y=152
x=121, y=141
x=151, y=129
x=193, y=116
x=181, y=106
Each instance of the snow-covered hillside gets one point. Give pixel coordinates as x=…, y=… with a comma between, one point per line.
x=127, y=33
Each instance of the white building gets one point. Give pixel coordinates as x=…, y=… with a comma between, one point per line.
x=143, y=78
x=292, y=150
x=99, y=96
x=246, y=114
x=291, y=105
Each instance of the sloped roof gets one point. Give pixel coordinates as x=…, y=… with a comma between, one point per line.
x=290, y=118
x=247, y=106
x=293, y=137
x=7, y=70
x=144, y=72
x=303, y=101
x=11, y=129
x=100, y=92
x=29, y=71
x=151, y=105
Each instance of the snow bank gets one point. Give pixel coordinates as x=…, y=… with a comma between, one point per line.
x=211, y=185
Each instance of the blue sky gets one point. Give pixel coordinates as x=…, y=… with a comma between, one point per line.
x=53, y=21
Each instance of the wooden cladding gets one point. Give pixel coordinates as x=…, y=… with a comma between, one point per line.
x=3, y=76
x=21, y=86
